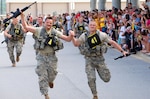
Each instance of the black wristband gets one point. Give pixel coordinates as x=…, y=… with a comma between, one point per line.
x=121, y=51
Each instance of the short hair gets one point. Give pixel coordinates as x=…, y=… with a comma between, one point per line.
x=40, y=17
x=92, y=21
x=48, y=18
x=130, y=3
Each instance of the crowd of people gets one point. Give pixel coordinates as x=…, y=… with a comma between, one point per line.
x=129, y=27
x=127, y=30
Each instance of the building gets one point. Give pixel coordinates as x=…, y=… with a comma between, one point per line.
x=59, y=6
x=2, y=7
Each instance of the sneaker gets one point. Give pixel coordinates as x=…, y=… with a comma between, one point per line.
x=95, y=97
x=46, y=96
x=14, y=65
x=17, y=58
x=51, y=84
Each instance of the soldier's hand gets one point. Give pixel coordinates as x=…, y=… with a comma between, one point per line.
x=9, y=36
x=125, y=53
x=71, y=33
x=22, y=14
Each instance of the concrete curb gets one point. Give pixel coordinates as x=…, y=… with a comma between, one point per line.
x=142, y=56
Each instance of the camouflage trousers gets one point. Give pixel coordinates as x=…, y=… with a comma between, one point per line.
x=46, y=71
x=94, y=64
x=10, y=49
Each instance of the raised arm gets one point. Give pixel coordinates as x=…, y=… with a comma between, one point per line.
x=25, y=25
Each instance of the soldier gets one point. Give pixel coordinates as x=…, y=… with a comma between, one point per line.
x=79, y=28
x=48, y=43
x=56, y=24
x=14, y=32
x=4, y=28
x=39, y=22
x=93, y=52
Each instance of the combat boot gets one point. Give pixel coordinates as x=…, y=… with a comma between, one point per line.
x=46, y=96
x=51, y=84
x=95, y=97
x=17, y=58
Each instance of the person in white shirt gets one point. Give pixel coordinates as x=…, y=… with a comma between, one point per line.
x=121, y=38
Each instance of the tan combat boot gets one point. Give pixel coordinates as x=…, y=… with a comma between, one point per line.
x=17, y=58
x=95, y=97
x=51, y=84
x=46, y=96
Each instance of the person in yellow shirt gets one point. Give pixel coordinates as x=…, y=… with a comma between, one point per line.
x=102, y=21
x=95, y=18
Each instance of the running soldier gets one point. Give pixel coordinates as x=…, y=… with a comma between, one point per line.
x=93, y=52
x=79, y=28
x=56, y=24
x=15, y=33
x=48, y=43
x=4, y=28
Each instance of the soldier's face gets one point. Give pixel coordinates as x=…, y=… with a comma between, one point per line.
x=80, y=19
x=15, y=20
x=54, y=17
x=92, y=26
x=40, y=19
x=48, y=23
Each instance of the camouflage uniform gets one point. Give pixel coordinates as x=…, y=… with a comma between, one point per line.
x=5, y=26
x=14, y=44
x=46, y=61
x=95, y=61
x=46, y=70
x=57, y=25
x=80, y=28
x=15, y=41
